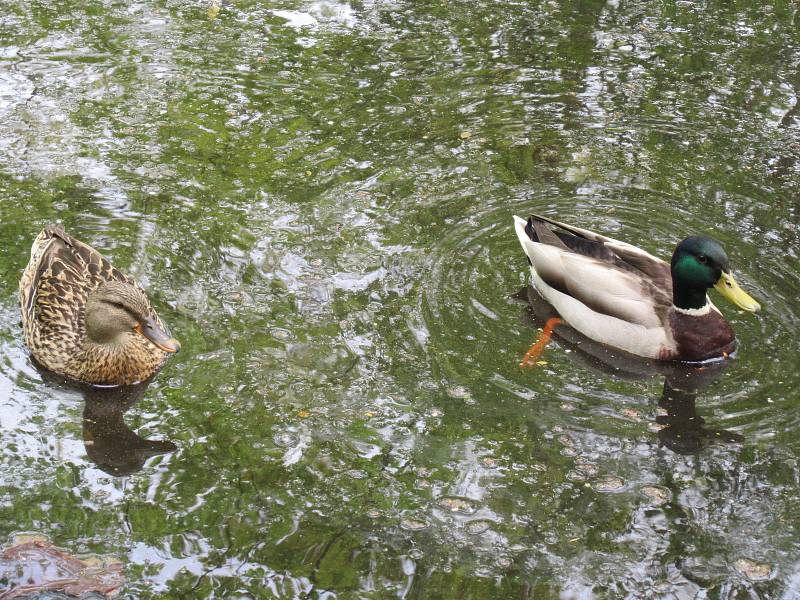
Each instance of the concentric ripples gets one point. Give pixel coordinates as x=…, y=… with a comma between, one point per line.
x=472, y=308
x=609, y=427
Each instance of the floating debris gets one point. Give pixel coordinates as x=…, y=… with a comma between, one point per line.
x=413, y=524
x=33, y=565
x=754, y=571
x=465, y=135
x=657, y=495
x=478, y=526
x=609, y=483
x=456, y=504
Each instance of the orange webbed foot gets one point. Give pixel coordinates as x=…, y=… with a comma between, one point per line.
x=535, y=351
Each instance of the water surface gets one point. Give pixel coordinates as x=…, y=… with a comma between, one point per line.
x=318, y=198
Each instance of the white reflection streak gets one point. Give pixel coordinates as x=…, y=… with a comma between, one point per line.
x=471, y=473
x=409, y=569
x=295, y=453
x=199, y=499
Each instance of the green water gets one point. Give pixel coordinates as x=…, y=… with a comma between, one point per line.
x=318, y=198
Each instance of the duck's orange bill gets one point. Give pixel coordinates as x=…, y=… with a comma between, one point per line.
x=535, y=351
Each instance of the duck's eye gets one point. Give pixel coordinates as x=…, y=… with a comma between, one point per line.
x=703, y=259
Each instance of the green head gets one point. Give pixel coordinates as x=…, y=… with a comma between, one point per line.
x=699, y=263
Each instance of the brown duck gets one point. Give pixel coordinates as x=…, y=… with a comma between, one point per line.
x=86, y=320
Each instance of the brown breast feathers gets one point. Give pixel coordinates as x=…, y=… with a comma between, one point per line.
x=701, y=337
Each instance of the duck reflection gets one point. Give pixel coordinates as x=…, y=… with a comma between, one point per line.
x=110, y=444
x=682, y=430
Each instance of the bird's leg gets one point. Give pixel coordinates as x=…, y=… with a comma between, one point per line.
x=535, y=351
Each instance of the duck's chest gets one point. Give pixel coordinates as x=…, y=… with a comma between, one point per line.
x=124, y=364
x=701, y=336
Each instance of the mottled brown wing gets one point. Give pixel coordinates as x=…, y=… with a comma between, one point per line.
x=98, y=269
x=51, y=300
x=61, y=274
x=86, y=260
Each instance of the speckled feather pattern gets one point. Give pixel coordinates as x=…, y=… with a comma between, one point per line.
x=53, y=292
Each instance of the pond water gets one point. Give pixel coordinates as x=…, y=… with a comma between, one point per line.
x=318, y=198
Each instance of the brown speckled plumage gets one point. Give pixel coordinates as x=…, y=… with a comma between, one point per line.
x=53, y=292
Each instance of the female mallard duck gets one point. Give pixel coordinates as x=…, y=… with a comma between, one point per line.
x=86, y=320
x=621, y=296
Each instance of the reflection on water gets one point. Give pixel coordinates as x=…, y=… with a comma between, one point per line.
x=110, y=444
x=317, y=197
x=683, y=429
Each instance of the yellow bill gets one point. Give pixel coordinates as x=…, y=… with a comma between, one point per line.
x=727, y=286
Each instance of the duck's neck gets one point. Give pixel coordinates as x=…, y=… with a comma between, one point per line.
x=116, y=364
x=689, y=298
x=105, y=363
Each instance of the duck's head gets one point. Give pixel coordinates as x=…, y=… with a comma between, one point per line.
x=699, y=263
x=117, y=309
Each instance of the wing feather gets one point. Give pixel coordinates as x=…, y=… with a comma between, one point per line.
x=610, y=277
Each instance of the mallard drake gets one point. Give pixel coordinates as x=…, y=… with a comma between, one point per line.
x=621, y=296
x=86, y=320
